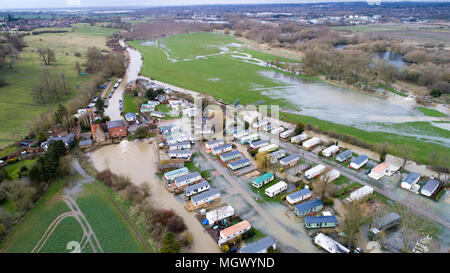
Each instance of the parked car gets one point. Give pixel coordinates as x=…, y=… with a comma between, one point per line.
x=110, y=95
x=367, y=171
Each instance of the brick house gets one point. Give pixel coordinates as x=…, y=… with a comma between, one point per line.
x=99, y=132
x=117, y=128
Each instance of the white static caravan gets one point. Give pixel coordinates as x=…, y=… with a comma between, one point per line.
x=277, y=131
x=180, y=145
x=269, y=148
x=214, y=143
x=379, y=171
x=187, y=179
x=169, y=176
x=276, y=189
x=315, y=171
x=298, y=196
x=205, y=197
x=289, y=160
x=259, y=143
x=332, y=175
x=359, y=162
x=277, y=155
x=183, y=154
x=218, y=214
x=197, y=188
x=176, y=138
x=410, y=181
x=360, y=193
x=329, y=244
x=311, y=142
x=298, y=138
x=330, y=150
x=232, y=232
x=249, y=138
x=222, y=149
x=287, y=133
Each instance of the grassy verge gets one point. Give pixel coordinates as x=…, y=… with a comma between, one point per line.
x=431, y=112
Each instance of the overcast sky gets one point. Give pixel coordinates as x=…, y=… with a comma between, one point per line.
x=13, y=4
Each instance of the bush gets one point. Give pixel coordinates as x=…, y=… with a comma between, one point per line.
x=176, y=224
x=77, y=54
x=253, y=153
x=328, y=201
x=170, y=244
x=12, y=160
x=225, y=248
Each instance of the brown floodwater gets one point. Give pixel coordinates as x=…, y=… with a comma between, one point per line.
x=136, y=160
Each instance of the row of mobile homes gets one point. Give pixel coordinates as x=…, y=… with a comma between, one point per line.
x=205, y=197
x=239, y=164
x=180, y=154
x=287, y=134
x=259, y=181
x=197, y=188
x=289, y=160
x=269, y=148
x=240, y=134
x=410, y=180
x=384, y=223
x=274, y=156
x=187, y=179
x=320, y=221
x=329, y=244
x=330, y=151
x=344, y=155
x=314, y=171
x=332, y=175
x=299, y=138
x=277, y=131
x=259, y=143
x=231, y=156
x=222, y=149
x=430, y=187
x=260, y=246
x=232, y=232
x=214, y=143
x=308, y=207
x=360, y=193
x=379, y=171
x=311, y=142
x=298, y=196
x=276, y=189
x=248, y=139
x=180, y=145
x=169, y=176
x=359, y=162
x=216, y=215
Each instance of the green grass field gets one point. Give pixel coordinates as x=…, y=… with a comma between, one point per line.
x=13, y=169
x=112, y=231
x=17, y=109
x=431, y=112
x=129, y=104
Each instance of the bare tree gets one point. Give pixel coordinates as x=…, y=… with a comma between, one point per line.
x=47, y=55
x=354, y=218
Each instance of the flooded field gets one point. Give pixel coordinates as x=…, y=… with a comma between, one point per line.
x=137, y=161
x=394, y=59
x=342, y=106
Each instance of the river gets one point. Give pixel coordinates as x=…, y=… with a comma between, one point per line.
x=136, y=160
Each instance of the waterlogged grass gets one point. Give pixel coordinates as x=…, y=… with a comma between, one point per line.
x=431, y=112
x=421, y=153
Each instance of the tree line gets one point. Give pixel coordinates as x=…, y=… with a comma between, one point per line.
x=10, y=46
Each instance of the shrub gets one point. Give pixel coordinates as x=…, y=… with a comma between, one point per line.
x=225, y=248
x=176, y=224
x=170, y=244
x=12, y=160
x=77, y=54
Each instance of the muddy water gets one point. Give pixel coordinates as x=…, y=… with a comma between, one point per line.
x=137, y=161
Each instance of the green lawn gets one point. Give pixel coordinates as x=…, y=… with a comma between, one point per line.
x=129, y=104
x=431, y=112
x=263, y=196
x=424, y=149
x=13, y=169
x=17, y=109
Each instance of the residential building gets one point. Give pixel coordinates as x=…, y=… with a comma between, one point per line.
x=360, y=193
x=384, y=223
x=221, y=213
x=274, y=156
x=232, y=232
x=169, y=176
x=320, y=221
x=289, y=160
x=379, y=171
x=248, y=139
x=221, y=149
x=214, y=143
x=299, y=138
x=410, y=180
x=183, y=154
x=298, y=196
x=276, y=189
x=180, y=145
x=117, y=128
x=344, y=156
x=187, y=179
x=286, y=134
x=430, y=187
x=329, y=244
x=262, y=180
x=196, y=188
x=330, y=150
x=205, y=197
x=259, y=143
x=310, y=206
x=311, y=142
x=239, y=164
x=231, y=156
x=359, y=162
x=260, y=246
x=315, y=171
x=99, y=132
x=157, y=114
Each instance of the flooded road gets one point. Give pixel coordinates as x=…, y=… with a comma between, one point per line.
x=136, y=160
